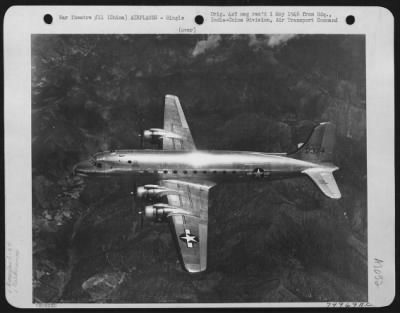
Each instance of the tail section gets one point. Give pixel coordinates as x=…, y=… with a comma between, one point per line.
x=323, y=178
x=319, y=147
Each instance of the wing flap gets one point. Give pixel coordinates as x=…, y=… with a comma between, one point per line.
x=324, y=179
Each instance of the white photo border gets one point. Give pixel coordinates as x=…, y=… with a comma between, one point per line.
x=20, y=22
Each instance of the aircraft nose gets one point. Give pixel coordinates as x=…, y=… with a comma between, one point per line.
x=82, y=168
x=74, y=169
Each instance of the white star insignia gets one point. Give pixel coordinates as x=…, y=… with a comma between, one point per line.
x=189, y=238
x=258, y=172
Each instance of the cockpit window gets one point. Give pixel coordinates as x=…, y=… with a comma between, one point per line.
x=99, y=165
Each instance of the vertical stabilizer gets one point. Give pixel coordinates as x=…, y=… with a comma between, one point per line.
x=319, y=148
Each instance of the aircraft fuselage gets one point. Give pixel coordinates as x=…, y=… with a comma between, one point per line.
x=218, y=166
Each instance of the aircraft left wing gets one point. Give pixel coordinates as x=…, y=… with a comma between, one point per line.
x=175, y=122
x=190, y=229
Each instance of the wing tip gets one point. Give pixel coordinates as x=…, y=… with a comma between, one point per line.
x=194, y=268
x=335, y=195
x=173, y=97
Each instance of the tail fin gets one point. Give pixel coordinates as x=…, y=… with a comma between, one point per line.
x=319, y=147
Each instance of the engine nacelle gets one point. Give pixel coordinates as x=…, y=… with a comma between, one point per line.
x=152, y=192
x=156, y=212
x=151, y=136
x=156, y=134
x=159, y=212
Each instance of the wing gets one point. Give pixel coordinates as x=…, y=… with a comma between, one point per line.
x=175, y=122
x=324, y=179
x=190, y=230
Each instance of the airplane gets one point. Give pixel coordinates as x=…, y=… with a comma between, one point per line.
x=182, y=176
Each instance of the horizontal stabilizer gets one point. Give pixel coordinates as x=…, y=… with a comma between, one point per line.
x=323, y=178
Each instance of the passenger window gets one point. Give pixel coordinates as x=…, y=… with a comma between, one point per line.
x=194, y=172
x=129, y=161
x=165, y=172
x=184, y=172
x=175, y=172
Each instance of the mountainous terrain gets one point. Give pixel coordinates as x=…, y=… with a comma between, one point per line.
x=272, y=242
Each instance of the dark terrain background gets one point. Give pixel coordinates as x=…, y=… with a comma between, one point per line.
x=282, y=241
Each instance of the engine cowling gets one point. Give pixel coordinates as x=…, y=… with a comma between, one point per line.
x=152, y=192
x=156, y=212
x=156, y=134
x=159, y=212
x=147, y=194
x=151, y=136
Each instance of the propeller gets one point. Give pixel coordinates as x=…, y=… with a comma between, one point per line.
x=140, y=124
x=141, y=218
x=136, y=204
x=160, y=143
x=134, y=196
x=141, y=135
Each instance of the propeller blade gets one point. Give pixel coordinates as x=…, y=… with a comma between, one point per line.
x=136, y=204
x=140, y=215
x=133, y=194
x=142, y=139
x=160, y=144
x=141, y=135
x=135, y=190
x=141, y=127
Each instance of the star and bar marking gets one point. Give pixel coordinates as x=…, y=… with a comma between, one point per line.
x=258, y=172
x=189, y=238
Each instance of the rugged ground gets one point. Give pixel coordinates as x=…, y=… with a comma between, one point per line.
x=282, y=241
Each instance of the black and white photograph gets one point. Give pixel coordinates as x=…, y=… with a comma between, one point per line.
x=199, y=157
x=199, y=168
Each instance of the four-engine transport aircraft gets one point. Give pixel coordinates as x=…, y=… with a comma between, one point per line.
x=183, y=175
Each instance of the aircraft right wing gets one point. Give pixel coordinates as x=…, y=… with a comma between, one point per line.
x=190, y=229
